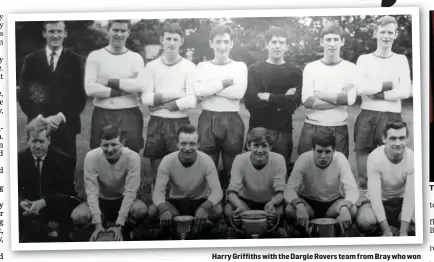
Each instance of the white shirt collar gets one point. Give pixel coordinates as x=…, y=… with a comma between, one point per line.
x=48, y=51
x=42, y=157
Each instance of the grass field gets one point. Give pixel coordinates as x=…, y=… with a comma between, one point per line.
x=298, y=118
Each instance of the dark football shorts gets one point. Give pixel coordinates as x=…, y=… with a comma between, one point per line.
x=340, y=133
x=221, y=132
x=319, y=208
x=368, y=129
x=393, y=208
x=186, y=207
x=161, y=138
x=129, y=120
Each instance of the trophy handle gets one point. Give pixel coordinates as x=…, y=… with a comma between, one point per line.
x=309, y=229
x=231, y=222
x=342, y=230
x=276, y=225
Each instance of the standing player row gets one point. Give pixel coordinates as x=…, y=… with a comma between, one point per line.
x=272, y=90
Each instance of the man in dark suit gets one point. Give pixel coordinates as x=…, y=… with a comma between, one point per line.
x=52, y=85
x=45, y=187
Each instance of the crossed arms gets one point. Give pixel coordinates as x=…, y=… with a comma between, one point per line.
x=323, y=100
x=229, y=87
x=102, y=86
x=385, y=90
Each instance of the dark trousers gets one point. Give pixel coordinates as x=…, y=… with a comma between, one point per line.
x=35, y=227
x=64, y=140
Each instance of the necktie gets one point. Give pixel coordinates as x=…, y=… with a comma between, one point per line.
x=52, y=61
x=39, y=164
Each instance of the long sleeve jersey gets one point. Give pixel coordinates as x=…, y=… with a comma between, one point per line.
x=276, y=113
x=208, y=84
x=312, y=182
x=111, y=181
x=102, y=63
x=387, y=180
x=176, y=80
x=318, y=76
x=374, y=71
x=258, y=185
x=195, y=182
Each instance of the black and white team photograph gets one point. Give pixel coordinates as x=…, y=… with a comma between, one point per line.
x=170, y=129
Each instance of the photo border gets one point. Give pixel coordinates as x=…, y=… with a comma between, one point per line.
x=160, y=244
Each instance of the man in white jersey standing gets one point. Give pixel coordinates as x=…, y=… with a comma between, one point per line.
x=328, y=89
x=169, y=94
x=390, y=185
x=221, y=84
x=385, y=81
x=108, y=79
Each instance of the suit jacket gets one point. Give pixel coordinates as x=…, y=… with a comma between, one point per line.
x=56, y=178
x=48, y=93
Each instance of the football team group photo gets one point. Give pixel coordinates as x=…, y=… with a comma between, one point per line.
x=215, y=128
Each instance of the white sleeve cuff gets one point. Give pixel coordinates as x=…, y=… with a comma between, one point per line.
x=96, y=219
x=63, y=116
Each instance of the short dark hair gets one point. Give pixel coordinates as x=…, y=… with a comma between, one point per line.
x=324, y=139
x=52, y=22
x=395, y=125
x=332, y=28
x=187, y=129
x=110, y=132
x=259, y=135
x=173, y=28
x=125, y=21
x=37, y=126
x=220, y=30
x=275, y=31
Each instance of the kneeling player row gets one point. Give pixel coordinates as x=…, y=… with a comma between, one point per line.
x=320, y=185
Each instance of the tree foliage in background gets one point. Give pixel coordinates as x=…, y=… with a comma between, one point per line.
x=249, y=47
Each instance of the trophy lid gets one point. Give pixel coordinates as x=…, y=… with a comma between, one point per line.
x=324, y=221
x=254, y=214
x=183, y=218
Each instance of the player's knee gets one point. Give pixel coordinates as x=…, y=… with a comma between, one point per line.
x=353, y=212
x=366, y=220
x=139, y=210
x=228, y=210
x=280, y=212
x=80, y=215
x=335, y=209
x=152, y=212
x=290, y=214
x=216, y=213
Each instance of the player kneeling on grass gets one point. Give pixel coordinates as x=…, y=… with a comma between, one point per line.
x=111, y=180
x=321, y=173
x=194, y=184
x=390, y=185
x=257, y=179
